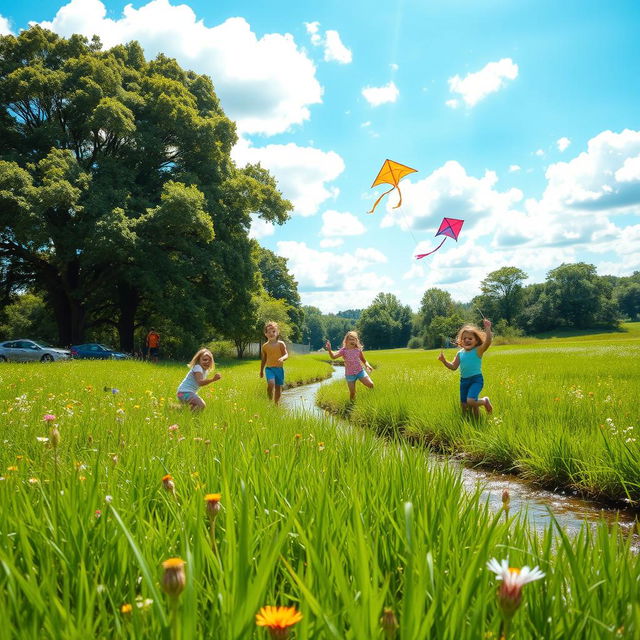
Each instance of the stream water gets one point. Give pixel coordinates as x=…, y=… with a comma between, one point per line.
x=570, y=511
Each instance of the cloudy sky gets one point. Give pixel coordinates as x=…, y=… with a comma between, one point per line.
x=522, y=118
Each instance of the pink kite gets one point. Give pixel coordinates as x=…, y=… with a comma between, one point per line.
x=448, y=227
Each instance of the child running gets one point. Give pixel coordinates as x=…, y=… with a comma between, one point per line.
x=355, y=364
x=196, y=378
x=474, y=343
x=274, y=353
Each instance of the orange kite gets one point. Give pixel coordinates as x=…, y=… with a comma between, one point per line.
x=391, y=173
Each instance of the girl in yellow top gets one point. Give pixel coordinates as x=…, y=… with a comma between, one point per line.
x=274, y=353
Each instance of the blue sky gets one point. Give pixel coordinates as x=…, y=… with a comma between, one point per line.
x=521, y=117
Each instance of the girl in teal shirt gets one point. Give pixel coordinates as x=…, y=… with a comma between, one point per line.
x=474, y=343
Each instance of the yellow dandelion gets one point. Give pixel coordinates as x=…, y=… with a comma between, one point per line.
x=278, y=620
x=126, y=609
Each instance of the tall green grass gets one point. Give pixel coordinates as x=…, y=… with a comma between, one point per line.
x=338, y=523
x=566, y=414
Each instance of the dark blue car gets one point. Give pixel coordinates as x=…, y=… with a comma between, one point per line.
x=96, y=351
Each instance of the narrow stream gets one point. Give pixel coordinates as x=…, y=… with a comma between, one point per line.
x=570, y=512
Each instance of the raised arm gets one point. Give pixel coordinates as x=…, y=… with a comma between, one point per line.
x=488, y=339
x=453, y=365
x=333, y=355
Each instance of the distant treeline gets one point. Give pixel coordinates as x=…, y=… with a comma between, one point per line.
x=572, y=297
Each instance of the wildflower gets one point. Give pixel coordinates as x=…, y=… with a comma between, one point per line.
x=42, y=439
x=108, y=499
x=389, y=623
x=506, y=500
x=55, y=437
x=143, y=603
x=278, y=620
x=213, y=504
x=48, y=417
x=173, y=578
x=97, y=513
x=173, y=427
x=167, y=482
x=33, y=480
x=298, y=436
x=320, y=446
x=513, y=579
x=126, y=609
x=12, y=468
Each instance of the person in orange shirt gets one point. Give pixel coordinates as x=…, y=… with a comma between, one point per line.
x=153, y=345
x=274, y=353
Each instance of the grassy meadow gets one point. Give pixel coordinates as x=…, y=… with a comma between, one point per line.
x=338, y=523
x=566, y=409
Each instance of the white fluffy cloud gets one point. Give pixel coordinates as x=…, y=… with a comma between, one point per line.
x=376, y=96
x=334, y=49
x=265, y=84
x=563, y=143
x=331, y=280
x=605, y=176
x=336, y=224
x=474, y=87
x=5, y=28
x=303, y=173
x=449, y=192
x=514, y=168
x=261, y=228
x=330, y=243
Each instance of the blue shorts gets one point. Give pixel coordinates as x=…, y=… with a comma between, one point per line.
x=356, y=376
x=185, y=396
x=470, y=387
x=275, y=373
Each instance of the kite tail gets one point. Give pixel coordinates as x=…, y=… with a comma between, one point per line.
x=424, y=255
x=375, y=204
x=400, y=202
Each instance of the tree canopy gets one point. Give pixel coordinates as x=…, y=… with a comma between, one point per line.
x=119, y=200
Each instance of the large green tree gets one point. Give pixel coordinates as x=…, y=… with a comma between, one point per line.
x=501, y=296
x=385, y=323
x=579, y=298
x=114, y=174
x=281, y=285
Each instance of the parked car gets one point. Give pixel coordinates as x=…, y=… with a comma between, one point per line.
x=30, y=351
x=96, y=351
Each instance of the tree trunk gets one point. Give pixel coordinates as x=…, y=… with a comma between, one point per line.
x=70, y=317
x=128, y=302
x=241, y=345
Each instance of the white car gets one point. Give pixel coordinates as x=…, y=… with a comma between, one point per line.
x=30, y=351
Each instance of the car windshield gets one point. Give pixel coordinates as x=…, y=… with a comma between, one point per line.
x=104, y=346
x=43, y=344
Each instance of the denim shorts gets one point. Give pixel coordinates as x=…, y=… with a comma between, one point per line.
x=470, y=387
x=275, y=373
x=356, y=376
